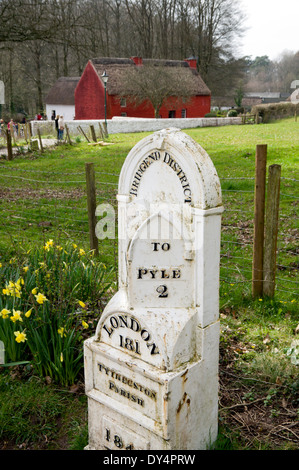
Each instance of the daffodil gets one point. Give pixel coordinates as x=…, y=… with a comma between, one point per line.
x=13, y=288
x=16, y=316
x=82, y=304
x=48, y=244
x=0, y=265
x=81, y=252
x=25, y=269
x=61, y=357
x=20, y=337
x=4, y=313
x=61, y=332
x=34, y=291
x=85, y=325
x=41, y=298
x=28, y=313
x=74, y=245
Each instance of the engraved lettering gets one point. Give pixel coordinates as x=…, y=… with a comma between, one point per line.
x=168, y=160
x=127, y=381
x=126, y=321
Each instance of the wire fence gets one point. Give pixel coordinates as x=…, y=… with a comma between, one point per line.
x=37, y=205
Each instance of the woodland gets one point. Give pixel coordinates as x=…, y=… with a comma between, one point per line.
x=42, y=40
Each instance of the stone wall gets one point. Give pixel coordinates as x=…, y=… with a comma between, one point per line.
x=127, y=125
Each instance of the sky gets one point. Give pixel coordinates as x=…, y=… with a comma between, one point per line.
x=273, y=27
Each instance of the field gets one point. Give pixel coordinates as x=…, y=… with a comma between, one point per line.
x=43, y=197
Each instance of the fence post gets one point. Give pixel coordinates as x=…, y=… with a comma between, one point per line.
x=259, y=215
x=93, y=134
x=9, y=147
x=105, y=129
x=40, y=140
x=29, y=130
x=271, y=229
x=68, y=134
x=82, y=132
x=101, y=131
x=91, y=206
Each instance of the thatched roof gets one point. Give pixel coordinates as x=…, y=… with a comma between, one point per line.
x=63, y=91
x=117, y=69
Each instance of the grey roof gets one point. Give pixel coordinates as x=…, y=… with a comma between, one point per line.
x=63, y=91
x=117, y=68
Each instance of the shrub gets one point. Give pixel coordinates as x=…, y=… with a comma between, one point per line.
x=232, y=113
x=212, y=114
x=274, y=111
x=46, y=304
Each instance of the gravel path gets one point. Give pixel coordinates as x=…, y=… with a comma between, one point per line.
x=46, y=143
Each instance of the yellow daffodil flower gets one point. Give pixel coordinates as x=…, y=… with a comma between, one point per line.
x=48, y=244
x=61, y=332
x=85, y=325
x=81, y=252
x=16, y=316
x=34, y=291
x=13, y=288
x=4, y=313
x=61, y=357
x=20, y=337
x=25, y=269
x=82, y=304
x=41, y=298
x=28, y=313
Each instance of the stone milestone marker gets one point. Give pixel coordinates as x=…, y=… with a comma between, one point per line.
x=151, y=370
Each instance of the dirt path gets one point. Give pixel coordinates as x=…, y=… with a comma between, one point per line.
x=15, y=150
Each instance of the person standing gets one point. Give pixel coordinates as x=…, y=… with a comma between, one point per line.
x=56, y=125
x=60, y=127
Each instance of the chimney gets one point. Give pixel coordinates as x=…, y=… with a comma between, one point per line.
x=192, y=62
x=137, y=60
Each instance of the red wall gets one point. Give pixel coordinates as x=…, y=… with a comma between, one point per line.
x=89, y=95
x=197, y=106
x=90, y=102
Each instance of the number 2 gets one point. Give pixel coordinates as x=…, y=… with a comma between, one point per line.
x=162, y=291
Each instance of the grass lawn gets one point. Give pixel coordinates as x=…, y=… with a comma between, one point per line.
x=43, y=197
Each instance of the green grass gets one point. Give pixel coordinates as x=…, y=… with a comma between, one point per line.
x=34, y=415
x=43, y=197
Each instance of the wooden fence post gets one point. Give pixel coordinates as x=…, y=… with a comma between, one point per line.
x=259, y=215
x=101, y=131
x=40, y=140
x=271, y=229
x=29, y=130
x=9, y=147
x=93, y=134
x=25, y=133
x=91, y=206
x=82, y=132
x=105, y=129
x=68, y=134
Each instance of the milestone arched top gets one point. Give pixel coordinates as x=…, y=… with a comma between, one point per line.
x=170, y=166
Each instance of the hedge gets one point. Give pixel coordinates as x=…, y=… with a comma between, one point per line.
x=273, y=111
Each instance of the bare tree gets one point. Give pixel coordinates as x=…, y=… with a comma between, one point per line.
x=157, y=85
x=217, y=23
x=142, y=17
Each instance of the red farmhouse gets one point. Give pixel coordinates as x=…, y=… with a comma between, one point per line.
x=90, y=94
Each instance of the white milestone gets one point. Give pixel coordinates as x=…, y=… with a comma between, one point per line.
x=151, y=369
